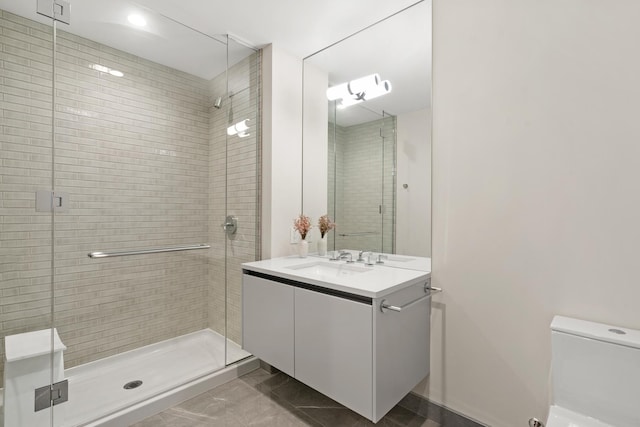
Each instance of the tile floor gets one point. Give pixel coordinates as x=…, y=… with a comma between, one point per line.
x=263, y=399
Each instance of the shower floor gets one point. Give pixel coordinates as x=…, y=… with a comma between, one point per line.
x=96, y=389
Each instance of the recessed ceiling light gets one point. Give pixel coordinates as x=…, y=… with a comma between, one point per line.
x=137, y=20
x=116, y=73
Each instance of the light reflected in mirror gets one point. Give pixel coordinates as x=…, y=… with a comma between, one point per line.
x=367, y=159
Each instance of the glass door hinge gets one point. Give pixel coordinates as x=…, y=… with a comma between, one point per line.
x=51, y=395
x=47, y=201
x=57, y=10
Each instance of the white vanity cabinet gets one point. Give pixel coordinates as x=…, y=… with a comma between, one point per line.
x=339, y=343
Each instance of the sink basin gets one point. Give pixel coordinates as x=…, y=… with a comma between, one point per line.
x=319, y=268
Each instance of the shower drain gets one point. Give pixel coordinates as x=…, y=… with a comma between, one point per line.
x=132, y=384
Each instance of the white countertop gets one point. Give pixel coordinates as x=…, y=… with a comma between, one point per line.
x=396, y=261
x=370, y=281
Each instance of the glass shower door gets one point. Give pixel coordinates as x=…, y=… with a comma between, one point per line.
x=136, y=251
x=242, y=178
x=27, y=361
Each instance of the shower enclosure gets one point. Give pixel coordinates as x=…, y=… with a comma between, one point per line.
x=130, y=184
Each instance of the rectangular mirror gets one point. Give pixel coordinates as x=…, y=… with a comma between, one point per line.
x=367, y=136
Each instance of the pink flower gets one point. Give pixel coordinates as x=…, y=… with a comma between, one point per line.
x=302, y=224
x=325, y=224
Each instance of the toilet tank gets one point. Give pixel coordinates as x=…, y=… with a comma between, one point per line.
x=596, y=370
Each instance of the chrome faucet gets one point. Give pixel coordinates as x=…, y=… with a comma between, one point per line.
x=344, y=254
x=360, y=259
x=368, y=254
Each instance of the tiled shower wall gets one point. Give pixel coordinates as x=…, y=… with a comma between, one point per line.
x=25, y=153
x=364, y=179
x=133, y=154
x=335, y=189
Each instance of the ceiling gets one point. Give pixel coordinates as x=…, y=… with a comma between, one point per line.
x=300, y=27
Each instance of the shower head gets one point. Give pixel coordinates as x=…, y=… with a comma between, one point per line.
x=218, y=102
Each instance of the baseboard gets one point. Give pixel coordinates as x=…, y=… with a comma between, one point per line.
x=270, y=369
x=445, y=417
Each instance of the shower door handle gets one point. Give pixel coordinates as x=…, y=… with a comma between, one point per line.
x=230, y=225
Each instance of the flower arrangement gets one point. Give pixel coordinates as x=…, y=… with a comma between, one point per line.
x=325, y=225
x=302, y=225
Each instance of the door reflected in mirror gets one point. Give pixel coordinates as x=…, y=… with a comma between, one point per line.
x=367, y=136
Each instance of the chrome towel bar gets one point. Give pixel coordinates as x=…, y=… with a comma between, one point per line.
x=359, y=233
x=384, y=306
x=146, y=251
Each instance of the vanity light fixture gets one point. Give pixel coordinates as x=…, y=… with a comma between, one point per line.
x=137, y=20
x=382, y=88
x=103, y=69
x=239, y=129
x=358, y=90
x=353, y=88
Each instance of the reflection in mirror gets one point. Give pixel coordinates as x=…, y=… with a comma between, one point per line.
x=373, y=89
x=361, y=180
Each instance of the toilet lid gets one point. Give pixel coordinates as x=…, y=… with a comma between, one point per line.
x=561, y=417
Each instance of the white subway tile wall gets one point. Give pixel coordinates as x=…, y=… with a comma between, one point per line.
x=140, y=158
x=361, y=178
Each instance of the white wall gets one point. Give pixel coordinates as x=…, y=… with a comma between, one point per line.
x=281, y=149
x=536, y=203
x=413, y=204
x=315, y=147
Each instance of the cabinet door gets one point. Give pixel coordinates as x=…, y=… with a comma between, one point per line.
x=333, y=345
x=267, y=321
x=401, y=343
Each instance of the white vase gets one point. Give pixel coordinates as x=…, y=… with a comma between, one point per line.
x=322, y=246
x=303, y=248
